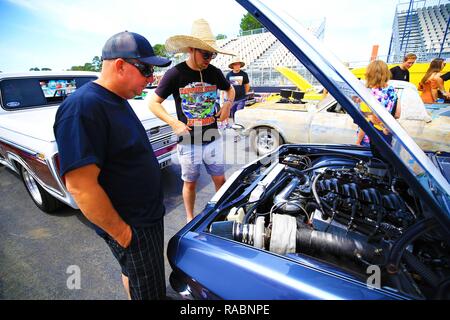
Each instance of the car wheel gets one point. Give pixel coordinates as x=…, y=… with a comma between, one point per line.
x=265, y=140
x=40, y=197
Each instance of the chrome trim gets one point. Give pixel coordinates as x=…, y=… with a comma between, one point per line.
x=24, y=149
x=54, y=171
x=65, y=198
x=167, y=157
x=27, y=167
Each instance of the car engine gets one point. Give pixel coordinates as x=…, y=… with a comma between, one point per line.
x=346, y=210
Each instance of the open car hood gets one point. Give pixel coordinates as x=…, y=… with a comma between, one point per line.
x=403, y=154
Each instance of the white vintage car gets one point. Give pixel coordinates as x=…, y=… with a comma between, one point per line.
x=27, y=144
x=271, y=124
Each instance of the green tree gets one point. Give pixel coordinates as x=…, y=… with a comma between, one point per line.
x=46, y=69
x=35, y=69
x=87, y=67
x=160, y=50
x=97, y=64
x=248, y=22
x=221, y=36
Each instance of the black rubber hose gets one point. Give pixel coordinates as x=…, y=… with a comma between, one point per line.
x=412, y=233
x=311, y=206
x=427, y=274
x=312, y=240
x=443, y=290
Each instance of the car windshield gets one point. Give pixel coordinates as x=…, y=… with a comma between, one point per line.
x=21, y=93
x=402, y=152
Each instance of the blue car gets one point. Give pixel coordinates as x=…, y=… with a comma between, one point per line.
x=323, y=221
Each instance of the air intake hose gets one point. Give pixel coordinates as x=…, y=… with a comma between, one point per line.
x=317, y=241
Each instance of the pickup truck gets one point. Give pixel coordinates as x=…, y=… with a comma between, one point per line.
x=28, y=104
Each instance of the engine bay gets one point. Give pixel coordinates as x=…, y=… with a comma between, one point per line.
x=342, y=208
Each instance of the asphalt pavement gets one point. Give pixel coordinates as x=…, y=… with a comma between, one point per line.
x=39, y=252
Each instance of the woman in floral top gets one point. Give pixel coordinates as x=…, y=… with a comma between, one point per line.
x=377, y=77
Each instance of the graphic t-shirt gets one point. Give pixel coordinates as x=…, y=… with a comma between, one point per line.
x=238, y=80
x=398, y=73
x=195, y=100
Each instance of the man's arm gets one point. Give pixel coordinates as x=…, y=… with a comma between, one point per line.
x=155, y=106
x=94, y=203
x=224, y=112
x=247, y=87
x=246, y=83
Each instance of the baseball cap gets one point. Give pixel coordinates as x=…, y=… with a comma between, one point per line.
x=130, y=45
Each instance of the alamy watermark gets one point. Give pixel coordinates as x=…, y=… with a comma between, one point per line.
x=229, y=151
x=74, y=280
x=374, y=279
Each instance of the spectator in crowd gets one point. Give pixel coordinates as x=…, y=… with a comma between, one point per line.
x=445, y=77
x=239, y=80
x=109, y=166
x=432, y=83
x=194, y=85
x=401, y=72
x=377, y=77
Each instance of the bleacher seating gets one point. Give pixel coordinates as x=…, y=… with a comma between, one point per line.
x=257, y=51
x=421, y=29
x=433, y=21
x=250, y=48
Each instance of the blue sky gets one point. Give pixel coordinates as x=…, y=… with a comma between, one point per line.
x=60, y=34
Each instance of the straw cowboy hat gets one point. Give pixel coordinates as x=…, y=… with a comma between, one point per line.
x=236, y=60
x=201, y=38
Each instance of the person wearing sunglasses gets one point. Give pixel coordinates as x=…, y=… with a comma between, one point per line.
x=109, y=166
x=194, y=84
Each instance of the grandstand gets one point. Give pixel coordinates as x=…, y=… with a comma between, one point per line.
x=262, y=52
x=422, y=27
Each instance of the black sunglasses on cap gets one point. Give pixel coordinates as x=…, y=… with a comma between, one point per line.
x=207, y=55
x=145, y=69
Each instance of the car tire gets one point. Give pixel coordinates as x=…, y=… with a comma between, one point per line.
x=265, y=140
x=40, y=197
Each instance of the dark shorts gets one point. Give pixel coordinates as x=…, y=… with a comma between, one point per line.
x=237, y=105
x=143, y=261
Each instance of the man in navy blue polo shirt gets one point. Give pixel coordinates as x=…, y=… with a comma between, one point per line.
x=109, y=165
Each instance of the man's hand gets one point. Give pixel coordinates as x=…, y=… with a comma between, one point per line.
x=124, y=239
x=180, y=128
x=94, y=203
x=224, y=112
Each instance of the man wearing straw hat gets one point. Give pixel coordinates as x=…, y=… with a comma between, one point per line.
x=194, y=84
x=240, y=82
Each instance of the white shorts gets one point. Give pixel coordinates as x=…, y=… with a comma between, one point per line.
x=192, y=156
